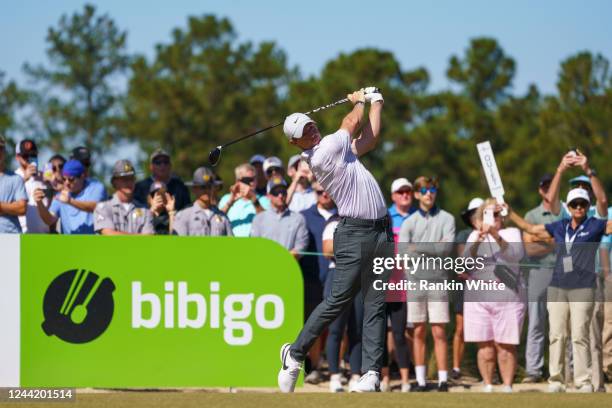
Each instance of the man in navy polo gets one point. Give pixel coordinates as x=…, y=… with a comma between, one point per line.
x=572, y=289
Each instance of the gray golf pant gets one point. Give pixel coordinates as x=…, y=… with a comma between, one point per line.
x=356, y=243
x=538, y=281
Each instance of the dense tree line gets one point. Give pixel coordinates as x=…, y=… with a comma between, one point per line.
x=205, y=86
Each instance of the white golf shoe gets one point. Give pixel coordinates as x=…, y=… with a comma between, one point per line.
x=369, y=382
x=556, y=387
x=290, y=370
x=335, y=383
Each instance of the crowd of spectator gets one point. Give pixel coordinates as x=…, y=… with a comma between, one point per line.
x=567, y=286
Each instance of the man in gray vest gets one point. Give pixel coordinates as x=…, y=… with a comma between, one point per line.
x=203, y=217
x=362, y=231
x=279, y=224
x=122, y=215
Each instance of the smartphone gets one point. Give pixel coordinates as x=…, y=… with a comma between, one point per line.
x=49, y=192
x=33, y=160
x=488, y=216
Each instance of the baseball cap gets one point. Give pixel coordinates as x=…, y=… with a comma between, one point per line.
x=399, y=183
x=293, y=161
x=545, y=179
x=294, y=125
x=272, y=161
x=156, y=185
x=82, y=154
x=576, y=194
x=580, y=179
x=27, y=147
x=203, y=176
x=257, y=158
x=472, y=206
x=122, y=168
x=73, y=168
x=157, y=153
x=275, y=182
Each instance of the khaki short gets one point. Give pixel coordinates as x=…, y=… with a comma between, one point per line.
x=428, y=306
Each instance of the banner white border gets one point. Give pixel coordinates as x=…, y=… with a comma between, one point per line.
x=10, y=352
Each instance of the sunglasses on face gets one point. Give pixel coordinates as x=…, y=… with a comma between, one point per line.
x=319, y=192
x=247, y=180
x=161, y=162
x=70, y=179
x=404, y=192
x=57, y=168
x=578, y=204
x=273, y=170
x=432, y=190
x=278, y=193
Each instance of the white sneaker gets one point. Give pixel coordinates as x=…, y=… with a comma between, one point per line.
x=353, y=382
x=314, y=377
x=290, y=370
x=586, y=388
x=556, y=387
x=406, y=387
x=487, y=388
x=507, y=389
x=335, y=383
x=369, y=382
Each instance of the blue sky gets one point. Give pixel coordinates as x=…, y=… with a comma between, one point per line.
x=538, y=34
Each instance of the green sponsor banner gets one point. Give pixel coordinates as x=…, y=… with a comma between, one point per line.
x=155, y=311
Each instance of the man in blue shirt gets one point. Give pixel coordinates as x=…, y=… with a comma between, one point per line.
x=401, y=195
x=242, y=203
x=13, y=197
x=75, y=204
x=572, y=290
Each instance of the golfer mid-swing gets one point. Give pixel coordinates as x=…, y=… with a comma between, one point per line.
x=362, y=230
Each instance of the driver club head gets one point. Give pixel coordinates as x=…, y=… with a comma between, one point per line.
x=214, y=155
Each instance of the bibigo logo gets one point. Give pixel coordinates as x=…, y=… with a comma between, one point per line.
x=194, y=311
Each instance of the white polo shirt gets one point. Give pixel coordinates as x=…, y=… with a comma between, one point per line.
x=351, y=186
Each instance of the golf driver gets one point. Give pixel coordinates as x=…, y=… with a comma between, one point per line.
x=215, y=154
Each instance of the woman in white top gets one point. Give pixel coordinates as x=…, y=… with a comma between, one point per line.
x=492, y=317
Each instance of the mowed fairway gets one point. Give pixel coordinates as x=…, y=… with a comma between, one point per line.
x=314, y=400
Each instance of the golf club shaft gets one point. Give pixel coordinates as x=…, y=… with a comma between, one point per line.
x=320, y=108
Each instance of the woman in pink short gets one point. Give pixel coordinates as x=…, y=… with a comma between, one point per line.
x=493, y=317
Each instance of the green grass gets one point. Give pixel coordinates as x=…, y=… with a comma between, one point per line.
x=303, y=400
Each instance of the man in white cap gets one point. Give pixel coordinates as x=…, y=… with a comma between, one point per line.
x=363, y=229
x=401, y=195
x=273, y=167
x=572, y=288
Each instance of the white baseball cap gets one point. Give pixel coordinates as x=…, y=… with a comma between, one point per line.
x=578, y=193
x=475, y=203
x=294, y=125
x=399, y=183
x=272, y=161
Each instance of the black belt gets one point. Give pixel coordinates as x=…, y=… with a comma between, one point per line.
x=378, y=223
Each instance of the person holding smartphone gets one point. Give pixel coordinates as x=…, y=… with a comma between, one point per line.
x=26, y=154
x=493, y=319
x=242, y=203
x=571, y=292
